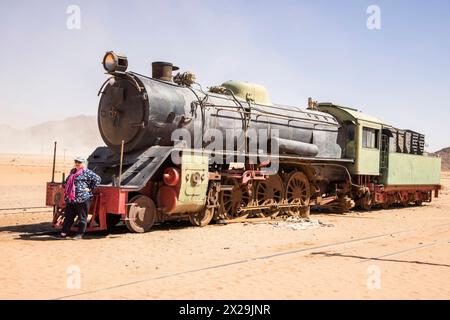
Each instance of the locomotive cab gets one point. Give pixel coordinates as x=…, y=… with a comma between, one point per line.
x=361, y=138
x=390, y=165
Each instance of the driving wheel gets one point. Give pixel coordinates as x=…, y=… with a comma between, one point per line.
x=141, y=214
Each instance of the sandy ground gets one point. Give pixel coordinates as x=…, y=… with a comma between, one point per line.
x=23, y=178
x=403, y=253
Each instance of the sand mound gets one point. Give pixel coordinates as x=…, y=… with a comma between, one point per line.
x=445, y=156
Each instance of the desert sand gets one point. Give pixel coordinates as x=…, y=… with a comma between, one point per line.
x=400, y=253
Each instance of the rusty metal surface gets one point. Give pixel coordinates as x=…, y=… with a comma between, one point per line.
x=54, y=194
x=141, y=214
x=114, y=199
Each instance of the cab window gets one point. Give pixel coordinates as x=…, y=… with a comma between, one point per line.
x=370, y=138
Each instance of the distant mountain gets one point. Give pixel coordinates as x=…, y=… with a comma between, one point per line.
x=445, y=157
x=77, y=135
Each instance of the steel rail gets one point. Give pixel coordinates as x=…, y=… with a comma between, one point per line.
x=400, y=252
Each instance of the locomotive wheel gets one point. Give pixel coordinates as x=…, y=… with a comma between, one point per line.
x=405, y=202
x=270, y=192
x=298, y=191
x=202, y=218
x=142, y=215
x=231, y=200
x=366, y=202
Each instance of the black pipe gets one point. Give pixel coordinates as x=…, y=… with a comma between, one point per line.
x=54, y=162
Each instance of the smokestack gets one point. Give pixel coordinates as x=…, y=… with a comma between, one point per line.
x=163, y=70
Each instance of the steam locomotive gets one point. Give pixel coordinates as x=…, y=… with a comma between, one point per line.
x=175, y=151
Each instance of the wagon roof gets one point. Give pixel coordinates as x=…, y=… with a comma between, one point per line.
x=346, y=113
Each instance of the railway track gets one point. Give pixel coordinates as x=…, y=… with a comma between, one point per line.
x=17, y=210
x=275, y=255
x=391, y=254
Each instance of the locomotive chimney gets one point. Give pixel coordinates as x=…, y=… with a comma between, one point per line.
x=163, y=70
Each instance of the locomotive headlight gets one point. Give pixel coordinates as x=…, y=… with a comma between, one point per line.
x=113, y=62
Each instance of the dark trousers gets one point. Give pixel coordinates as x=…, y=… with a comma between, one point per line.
x=73, y=210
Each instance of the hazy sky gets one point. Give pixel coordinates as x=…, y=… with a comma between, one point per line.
x=297, y=49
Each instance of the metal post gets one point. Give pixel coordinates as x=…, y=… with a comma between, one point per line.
x=121, y=163
x=54, y=162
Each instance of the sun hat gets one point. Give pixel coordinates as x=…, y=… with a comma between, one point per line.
x=80, y=159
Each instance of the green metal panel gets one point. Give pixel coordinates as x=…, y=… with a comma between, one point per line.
x=345, y=113
x=410, y=169
x=367, y=161
x=194, y=183
x=361, y=116
x=341, y=114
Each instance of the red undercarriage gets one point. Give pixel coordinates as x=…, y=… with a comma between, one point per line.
x=403, y=194
x=107, y=200
x=113, y=200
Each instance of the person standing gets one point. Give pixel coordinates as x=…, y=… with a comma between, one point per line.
x=78, y=189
